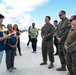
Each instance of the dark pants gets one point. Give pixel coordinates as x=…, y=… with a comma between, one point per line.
x=47, y=48
x=18, y=46
x=34, y=43
x=56, y=44
x=29, y=40
x=10, y=55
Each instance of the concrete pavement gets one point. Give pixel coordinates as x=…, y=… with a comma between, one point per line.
x=28, y=64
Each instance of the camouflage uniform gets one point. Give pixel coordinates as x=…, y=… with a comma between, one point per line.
x=62, y=32
x=71, y=51
x=47, y=43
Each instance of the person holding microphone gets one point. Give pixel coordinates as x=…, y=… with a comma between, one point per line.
x=2, y=38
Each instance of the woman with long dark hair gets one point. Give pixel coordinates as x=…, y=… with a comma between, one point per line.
x=29, y=35
x=16, y=29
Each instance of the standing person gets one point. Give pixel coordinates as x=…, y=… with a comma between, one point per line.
x=47, y=33
x=16, y=29
x=2, y=38
x=29, y=35
x=55, y=39
x=62, y=32
x=34, y=35
x=70, y=47
x=10, y=48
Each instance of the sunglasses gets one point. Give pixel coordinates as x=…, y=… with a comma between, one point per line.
x=71, y=20
x=60, y=14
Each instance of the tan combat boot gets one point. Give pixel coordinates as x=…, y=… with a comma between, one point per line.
x=50, y=66
x=68, y=73
x=62, y=68
x=43, y=63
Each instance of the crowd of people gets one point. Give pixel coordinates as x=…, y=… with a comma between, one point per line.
x=62, y=35
x=64, y=39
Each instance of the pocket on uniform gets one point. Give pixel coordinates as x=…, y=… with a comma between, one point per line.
x=72, y=48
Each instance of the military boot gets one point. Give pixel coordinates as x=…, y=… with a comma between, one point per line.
x=43, y=63
x=68, y=73
x=50, y=66
x=62, y=68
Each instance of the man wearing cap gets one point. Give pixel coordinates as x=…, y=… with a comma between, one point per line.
x=2, y=38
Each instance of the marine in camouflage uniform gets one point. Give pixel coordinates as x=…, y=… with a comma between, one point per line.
x=70, y=46
x=47, y=43
x=62, y=32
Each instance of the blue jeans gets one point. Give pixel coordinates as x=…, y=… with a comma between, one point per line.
x=1, y=55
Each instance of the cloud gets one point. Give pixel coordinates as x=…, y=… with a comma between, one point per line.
x=2, y=8
x=24, y=4
x=16, y=11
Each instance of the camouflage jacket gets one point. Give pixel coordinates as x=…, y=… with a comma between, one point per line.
x=48, y=32
x=71, y=40
x=63, y=29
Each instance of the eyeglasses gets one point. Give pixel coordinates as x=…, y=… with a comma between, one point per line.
x=60, y=14
x=71, y=20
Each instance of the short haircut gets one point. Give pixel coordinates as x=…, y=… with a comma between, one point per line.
x=55, y=21
x=9, y=24
x=48, y=17
x=74, y=17
x=33, y=23
x=62, y=11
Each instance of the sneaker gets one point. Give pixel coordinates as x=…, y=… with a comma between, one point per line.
x=9, y=70
x=20, y=54
x=50, y=66
x=13, y=68
x=33, y=51
x=43, y=63
x=62, y=68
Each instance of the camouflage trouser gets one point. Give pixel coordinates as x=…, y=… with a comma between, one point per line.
x=71, y=62
x=47, y=48
x=62, y=54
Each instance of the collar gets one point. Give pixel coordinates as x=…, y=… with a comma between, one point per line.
x=72, y=29
x=64, y=19
x=47, y=24
x=0, y=29
x=10, y=32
